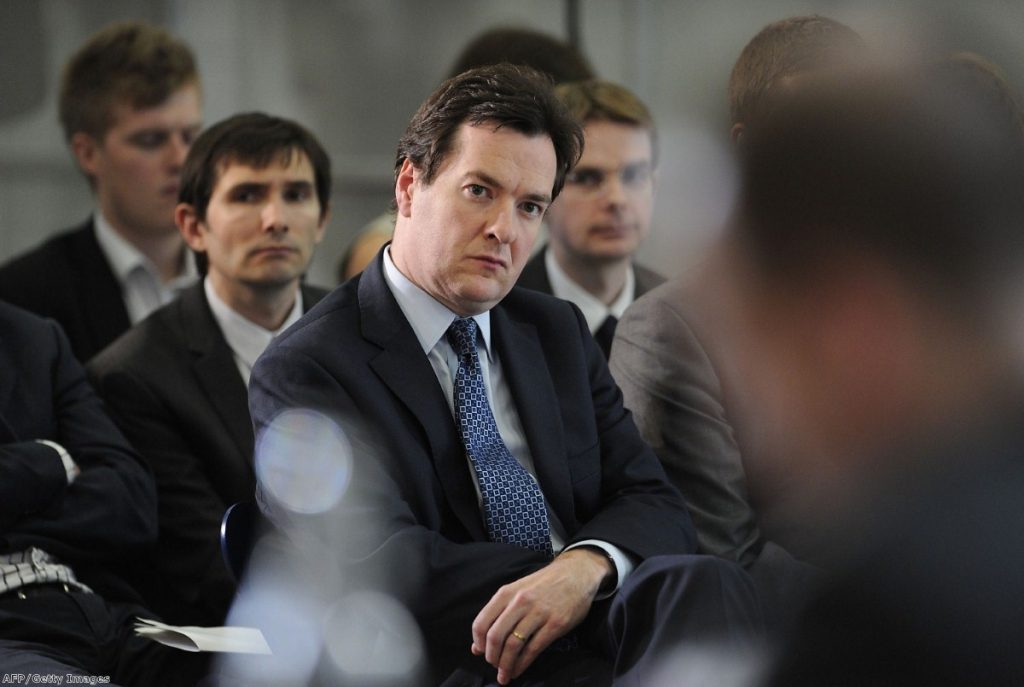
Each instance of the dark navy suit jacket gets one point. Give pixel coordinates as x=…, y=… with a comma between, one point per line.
x=69, y=279
x=173, y=388
x=106, y=518
x=416, y=524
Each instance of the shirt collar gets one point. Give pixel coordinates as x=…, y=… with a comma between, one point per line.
x=594, y=311
x=428, y=317
x=246, y=339
x=124, y=258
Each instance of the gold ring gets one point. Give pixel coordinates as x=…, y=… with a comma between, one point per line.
x=521, y=637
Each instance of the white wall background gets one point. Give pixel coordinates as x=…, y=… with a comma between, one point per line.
x=354, y=71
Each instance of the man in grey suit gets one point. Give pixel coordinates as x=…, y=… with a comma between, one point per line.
x=604, y=213
x=254, y=203
x=679, y=384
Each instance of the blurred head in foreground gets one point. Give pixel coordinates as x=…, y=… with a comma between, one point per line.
x=777, y=53
x=875, y=256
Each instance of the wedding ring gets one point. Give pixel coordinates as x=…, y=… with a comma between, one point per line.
x=521, y=637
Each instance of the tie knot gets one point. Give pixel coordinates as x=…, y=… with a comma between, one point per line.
x=462, y=335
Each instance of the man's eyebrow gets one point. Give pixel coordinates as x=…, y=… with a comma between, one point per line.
x=491, y=181
x=248, y=186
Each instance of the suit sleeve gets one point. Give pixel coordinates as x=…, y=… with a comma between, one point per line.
x=190, y=509
x=379, y=528
x=111, y=505
x=673, y=391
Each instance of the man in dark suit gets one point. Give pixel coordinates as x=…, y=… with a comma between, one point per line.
x=77, y=510
x=680, y=383
x=502, y=438
x=874, y=275
x=255, y=201
x=129, y=106
x=604, y=212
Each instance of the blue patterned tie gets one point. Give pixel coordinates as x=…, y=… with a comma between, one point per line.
x=513, y=503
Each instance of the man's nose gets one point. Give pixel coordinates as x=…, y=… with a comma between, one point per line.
x=177, y=150
x=274, y=216
x=502, y=225
x=614, y=189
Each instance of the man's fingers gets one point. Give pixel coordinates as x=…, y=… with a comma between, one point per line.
x=485, y=620
x=515, y=644
x=530, y=651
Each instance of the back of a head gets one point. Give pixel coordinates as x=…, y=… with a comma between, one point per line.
x=528, y=48
x=127, y=63
x=972, y=71
x=781, y=49
x=501, y=95
x=595, y=100
x=915, y=171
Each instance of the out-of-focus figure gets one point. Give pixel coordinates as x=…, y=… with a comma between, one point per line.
x=875, y=267
x=682, y=386
x=130, y=109
x=604, y=212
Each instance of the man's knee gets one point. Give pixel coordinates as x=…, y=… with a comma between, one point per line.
x=703, y=593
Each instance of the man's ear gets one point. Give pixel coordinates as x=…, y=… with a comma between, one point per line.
x=189, y=225
x=736, y=133
x=323, y=223
x=85, y=150
x=404, y=186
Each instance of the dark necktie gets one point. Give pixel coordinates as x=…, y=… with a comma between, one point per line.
x=605, y=334
x=513, y=503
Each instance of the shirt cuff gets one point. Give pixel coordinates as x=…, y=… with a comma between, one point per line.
x=620, y=559
x=71, y=469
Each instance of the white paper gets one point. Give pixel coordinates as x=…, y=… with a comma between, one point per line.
x=242, y=640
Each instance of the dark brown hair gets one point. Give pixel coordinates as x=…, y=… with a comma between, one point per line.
x=781, y=49
x=254, y=139
x=501, y=95
x=911, y=169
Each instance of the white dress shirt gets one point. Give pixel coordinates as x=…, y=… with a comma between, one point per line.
x=246, y=339
x=594, y=311
x=430, y=321
x=141, y=286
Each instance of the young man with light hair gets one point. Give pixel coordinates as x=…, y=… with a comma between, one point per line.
x=604, y=213
x=130, y=108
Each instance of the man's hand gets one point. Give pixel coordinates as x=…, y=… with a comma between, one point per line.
x=523, y=618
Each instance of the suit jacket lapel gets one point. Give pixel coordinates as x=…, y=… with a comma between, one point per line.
x=215, y=370
x=525, y=368
x=403, y=367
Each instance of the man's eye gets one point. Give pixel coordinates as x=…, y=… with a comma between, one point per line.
x=246, y=195
x=532, y=209
x=635, y=175
x=587, y=178
x=476, y=190
x=297, y=195
x=188, y=136
x=149, y=140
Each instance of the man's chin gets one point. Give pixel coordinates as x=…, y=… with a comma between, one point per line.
x=607, y=253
